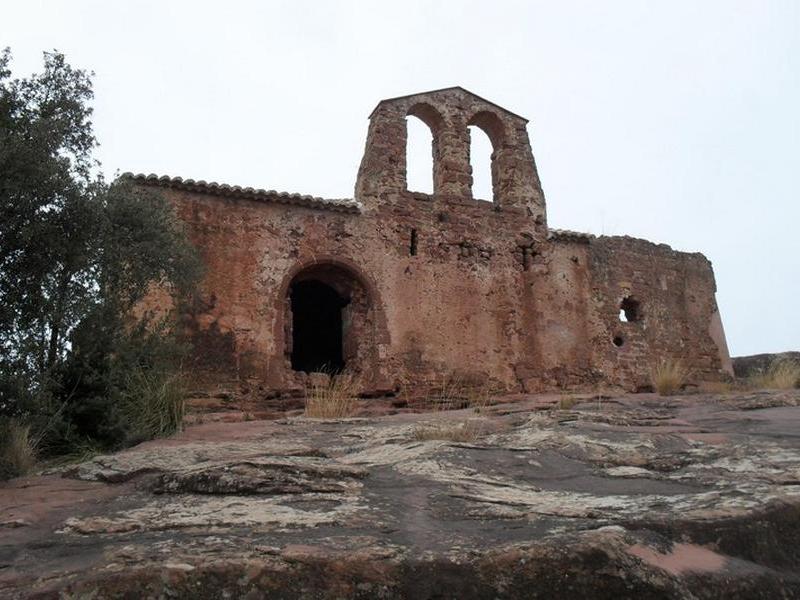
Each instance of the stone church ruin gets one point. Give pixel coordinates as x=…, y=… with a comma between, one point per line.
x=401, y=287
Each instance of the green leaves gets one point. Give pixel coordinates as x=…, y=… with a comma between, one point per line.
x=48, y=205
x=145, y=244
x=76, y=256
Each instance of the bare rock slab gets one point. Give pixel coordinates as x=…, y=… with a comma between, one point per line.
x=687, y=497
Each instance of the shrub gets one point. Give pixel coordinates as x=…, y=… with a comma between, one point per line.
x=119, y=386
x=333, y=398
x=79, y=255
x=668, y=376
x=17, y=449
x=781, y=375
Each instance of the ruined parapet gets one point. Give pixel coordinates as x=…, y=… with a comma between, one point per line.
x=654, y=303
x=449, y=113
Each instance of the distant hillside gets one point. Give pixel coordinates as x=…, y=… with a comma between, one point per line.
x=744, y=366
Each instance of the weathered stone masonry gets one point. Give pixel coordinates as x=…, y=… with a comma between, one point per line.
x=404, y=288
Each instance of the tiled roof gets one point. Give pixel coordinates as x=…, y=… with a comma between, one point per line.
x=235, y=191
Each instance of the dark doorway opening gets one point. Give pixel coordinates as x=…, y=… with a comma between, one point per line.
x=317, y=327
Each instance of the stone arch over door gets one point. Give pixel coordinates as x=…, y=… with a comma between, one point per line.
x=363, y=331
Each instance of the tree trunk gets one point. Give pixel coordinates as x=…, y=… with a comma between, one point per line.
x=58, y=318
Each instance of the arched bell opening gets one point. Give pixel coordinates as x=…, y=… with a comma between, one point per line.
x=487, y=136
x=424, y=125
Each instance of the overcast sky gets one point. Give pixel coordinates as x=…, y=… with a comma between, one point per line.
x=674, y=121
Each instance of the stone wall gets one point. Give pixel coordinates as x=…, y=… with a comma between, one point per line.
x=439, y=284
x=670, y=297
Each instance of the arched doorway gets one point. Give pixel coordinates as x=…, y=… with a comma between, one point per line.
x=316, y=327
x=329, y=320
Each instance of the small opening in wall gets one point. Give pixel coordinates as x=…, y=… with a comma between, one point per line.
x=412, y=248
x=629, y=310
x=618, y=341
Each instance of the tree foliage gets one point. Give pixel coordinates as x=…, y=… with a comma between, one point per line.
x=76, y=256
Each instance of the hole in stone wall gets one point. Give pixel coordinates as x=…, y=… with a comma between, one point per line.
x=629, y=310
x=527, y=254
x=316, y=327
x=412, y=248
x=618, y=341
x=480, y=159
x=419, y=156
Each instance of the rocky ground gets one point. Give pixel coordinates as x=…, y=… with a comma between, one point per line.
x=694, y=496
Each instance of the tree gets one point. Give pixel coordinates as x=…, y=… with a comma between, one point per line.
x=76, y=255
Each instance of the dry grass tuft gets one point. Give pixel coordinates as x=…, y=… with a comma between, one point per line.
x=479, y=396
x=455, y=392
x=781, y=375
x=333, y=399
x=566, y=401
x=448, y=394
x=17, y=449
x=668, y=376
x=463, y=431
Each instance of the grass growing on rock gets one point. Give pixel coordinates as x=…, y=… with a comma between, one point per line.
x=17, y=449
x=566, y=401
x=781, y=375
x=668, y=376
x=153, y=404
x=333, y=398
x=454, y=393
x=459, y=431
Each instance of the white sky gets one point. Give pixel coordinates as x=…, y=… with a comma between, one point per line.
x=674, y=121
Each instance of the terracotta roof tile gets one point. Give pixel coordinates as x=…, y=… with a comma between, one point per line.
x=223, y=189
